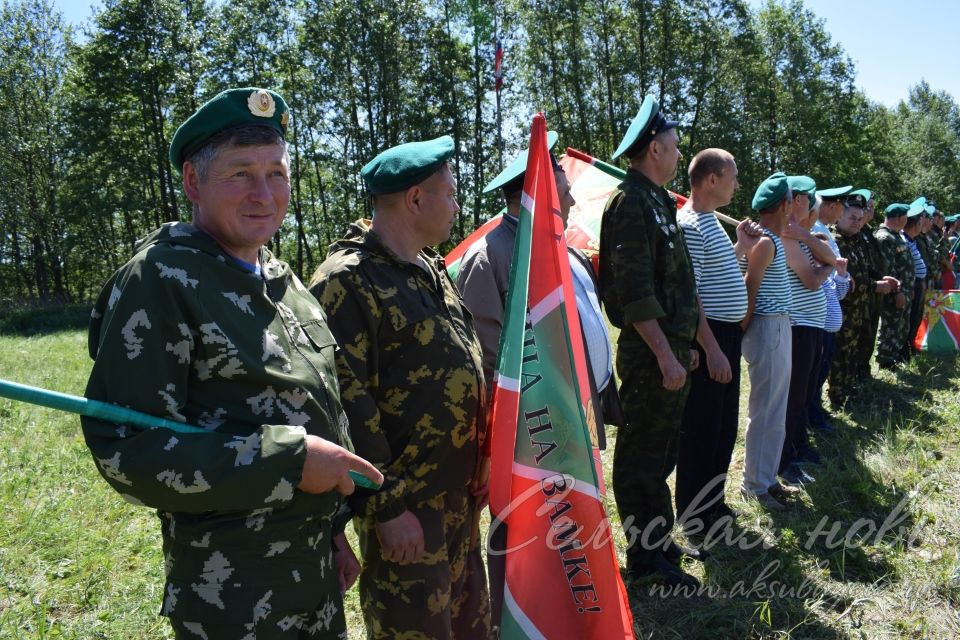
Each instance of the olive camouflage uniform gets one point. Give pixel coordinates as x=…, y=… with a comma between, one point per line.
x=646, y=274
x=868, y=339
x=185, y=332
x=411, y=372
x=844, y=370
x=898, y=262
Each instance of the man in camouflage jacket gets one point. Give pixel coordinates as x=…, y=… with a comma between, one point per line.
x=895, y=309
x=411, y=373
x=205, y=326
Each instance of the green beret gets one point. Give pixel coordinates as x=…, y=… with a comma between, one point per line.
x=836, y=193
x=896, y=210
x=518, y=167
x=866, y=193
x=406, y=165
x=802, y=184
x=952, y=219
x=771, y=191
x=227, y=110
x=647, y=123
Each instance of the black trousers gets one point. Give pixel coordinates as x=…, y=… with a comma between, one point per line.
x=807, y=354
x=815, y=413
x=708, y=430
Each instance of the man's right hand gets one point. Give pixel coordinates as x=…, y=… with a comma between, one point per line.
x=328, y=465
x=401, y=539
x=674, y=375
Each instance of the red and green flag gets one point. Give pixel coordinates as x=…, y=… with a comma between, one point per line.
x=562, y=576
x=939, y=330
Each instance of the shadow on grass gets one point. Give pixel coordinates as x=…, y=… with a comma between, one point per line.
x=30, y=321
x=749, y=590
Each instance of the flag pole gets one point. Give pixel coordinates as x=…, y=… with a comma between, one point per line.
x=112, y=413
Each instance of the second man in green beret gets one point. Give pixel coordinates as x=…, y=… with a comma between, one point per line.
x=411, y=371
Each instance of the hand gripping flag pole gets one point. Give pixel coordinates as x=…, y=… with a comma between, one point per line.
x=113, y=413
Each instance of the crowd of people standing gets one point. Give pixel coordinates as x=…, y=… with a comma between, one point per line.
x=383, y=366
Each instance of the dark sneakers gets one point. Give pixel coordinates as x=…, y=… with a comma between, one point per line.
x=676, y=552
x=795, y=476
x=808, y=455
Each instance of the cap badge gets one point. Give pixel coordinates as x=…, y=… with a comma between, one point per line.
x=261, y=104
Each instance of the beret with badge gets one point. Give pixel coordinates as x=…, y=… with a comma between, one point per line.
x=229, y=109
x=771, y=191
x=645, y=125
x=406, y=165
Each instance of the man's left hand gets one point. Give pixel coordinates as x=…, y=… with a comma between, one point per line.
x=718, y=366
x=346, y=563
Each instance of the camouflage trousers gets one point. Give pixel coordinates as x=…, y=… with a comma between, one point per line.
x=845, y=370
x=646, y=450
x=442, y=597
x=894, y=327
x=326, y=622
x=868, y=338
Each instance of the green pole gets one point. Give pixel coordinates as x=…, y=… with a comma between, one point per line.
x=113, y=413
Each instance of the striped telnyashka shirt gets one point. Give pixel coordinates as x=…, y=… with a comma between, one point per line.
x=774, y=296
x=809, y=306
x=720, y=284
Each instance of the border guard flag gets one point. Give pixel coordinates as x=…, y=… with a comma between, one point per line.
x=562, y=577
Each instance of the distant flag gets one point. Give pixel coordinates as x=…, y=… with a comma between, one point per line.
x=562, y=575
x=939, y=330
x=498, y=66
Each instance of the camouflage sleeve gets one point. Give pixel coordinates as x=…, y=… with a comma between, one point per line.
x=632, y=263
x=885, y=250
x=354, y=315
x=144, y=361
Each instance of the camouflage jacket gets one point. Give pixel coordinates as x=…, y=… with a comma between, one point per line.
x=410, y=368
x=184, y=332
x=896, y=258
x=871, y=249
x=645, y=270
x=854, y=249
x=927, y=252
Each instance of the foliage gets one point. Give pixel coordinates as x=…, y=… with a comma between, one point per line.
x=90, y=115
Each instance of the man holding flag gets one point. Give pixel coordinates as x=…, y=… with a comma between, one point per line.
x=647, y=283
x=561, y=578
x=484, y=279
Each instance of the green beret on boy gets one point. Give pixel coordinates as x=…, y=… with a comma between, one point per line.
x=406, y=165
x=228, y=110
x=771, y=191
x=866, y=193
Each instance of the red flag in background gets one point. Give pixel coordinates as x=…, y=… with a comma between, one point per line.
x=498, y=66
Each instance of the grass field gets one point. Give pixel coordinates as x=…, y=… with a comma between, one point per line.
x=76, y=562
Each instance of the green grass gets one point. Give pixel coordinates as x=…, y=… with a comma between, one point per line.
x=77, y=562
